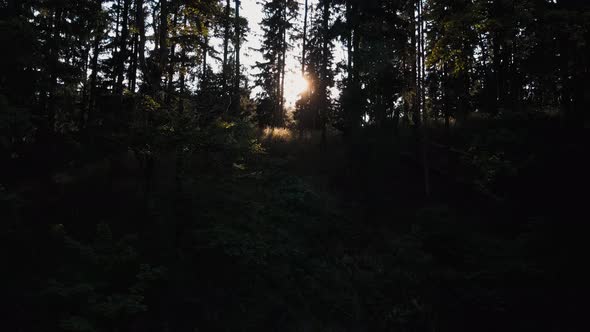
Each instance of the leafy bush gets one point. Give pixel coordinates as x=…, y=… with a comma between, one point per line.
x=101, y=284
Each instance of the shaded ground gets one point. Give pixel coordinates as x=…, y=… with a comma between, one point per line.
x=294, y=239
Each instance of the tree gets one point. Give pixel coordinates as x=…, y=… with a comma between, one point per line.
x=277, y=23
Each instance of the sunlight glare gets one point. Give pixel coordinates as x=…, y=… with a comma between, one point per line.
x=295, y=84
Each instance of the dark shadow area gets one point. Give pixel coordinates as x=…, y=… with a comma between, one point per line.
x=431, y=176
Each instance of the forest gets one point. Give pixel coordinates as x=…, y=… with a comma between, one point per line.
x=294, y=165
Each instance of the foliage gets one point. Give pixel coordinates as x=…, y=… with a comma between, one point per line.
x=104, y=284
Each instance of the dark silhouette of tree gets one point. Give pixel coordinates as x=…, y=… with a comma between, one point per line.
x=277, y=24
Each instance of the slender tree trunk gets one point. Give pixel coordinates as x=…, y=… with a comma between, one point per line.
x=86, y=83
x=236, y=100
x=414, y=110
x=54, y=49
x=324, y=70
x=305, y=94
x=349, y=108
x=205, y=49
x=357, y=102
x=304, y=40
x=446, y=106
x=156, y=27
x=163, y=36
x=142, y=41
x=122, y=54
x=171, y=61
x=94, y=72
x=226, y=37
x=132, y=76
x=137, y=47
x=116, y=43
x=423, y=99
x=117, y=24
x=349, y=40
x=282, y=67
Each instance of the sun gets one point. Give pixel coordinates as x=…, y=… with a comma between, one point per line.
x=295, y=84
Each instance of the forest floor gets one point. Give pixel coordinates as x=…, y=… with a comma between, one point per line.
x=348, y=242
x=294, y=238
x=382, y=256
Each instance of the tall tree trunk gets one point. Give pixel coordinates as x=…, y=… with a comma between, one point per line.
x=226, y=37
x=132, y=75
x=349, y=108
x=116, y=44
x=282, y=96
x=305, y=95
x=182, y=73
x=122, y=54
x=282, y=67
x=422, y=97
x=163, y=36
x=357, y=102
x=236, y=99
x=117, y=24
x=349, y=26
x=171, y=61
x=324, y=70
x=94, y=72
x=54, y=49
x=413, y=69
x=304, y=40
x=205, y=49
x=138, y=47
x=86, y=81
x=156, y=27
x=142, y=41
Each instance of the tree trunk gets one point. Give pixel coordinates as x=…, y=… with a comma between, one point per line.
x=226, y=37
x=142, y=41
x=349, y=25
x=171, y=60
x=132, y=75
x=413, y=69
x=205, y=46
x=94, y=72
x=236, y=98
x=357, y=102
x=349, y=108
x=282, y=68
x=324, y=70
x=156, y=28
x=138, y=46
x=304, y=41
x=122, y=54
x=422, y=105
x=163, y=36
x=54, y=49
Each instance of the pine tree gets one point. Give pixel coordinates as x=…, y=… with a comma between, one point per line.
x=277, y=23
